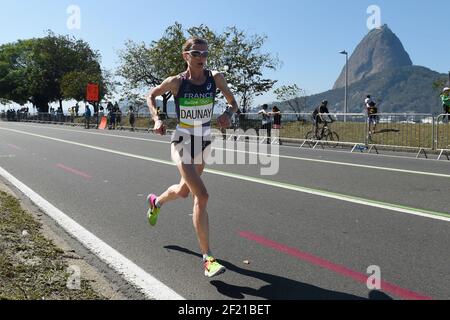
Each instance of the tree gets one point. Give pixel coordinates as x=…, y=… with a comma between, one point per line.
x=292, y=96
x=33, y=70
x=145, y=66
x=73, y=84
x=245, y=65
x=14, y=74
x=58, y=56
x=232, y=52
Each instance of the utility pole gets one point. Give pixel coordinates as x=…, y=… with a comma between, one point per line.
x=346, y=85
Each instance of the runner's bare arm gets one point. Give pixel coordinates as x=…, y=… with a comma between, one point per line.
x=222, y=85
x=170, y=84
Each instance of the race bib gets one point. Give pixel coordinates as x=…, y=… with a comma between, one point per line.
x=195, y=112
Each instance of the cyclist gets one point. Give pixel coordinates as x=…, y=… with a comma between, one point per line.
x=319, y=118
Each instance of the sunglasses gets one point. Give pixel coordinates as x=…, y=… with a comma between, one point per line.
x=197, y=53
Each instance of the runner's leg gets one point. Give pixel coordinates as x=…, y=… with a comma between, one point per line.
x=191, y=176
x=177, y=191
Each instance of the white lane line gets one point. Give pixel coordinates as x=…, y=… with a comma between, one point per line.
x=443, y=216
x=147, y=284
x=361, y=154
x=441, y=175
x=328, y=162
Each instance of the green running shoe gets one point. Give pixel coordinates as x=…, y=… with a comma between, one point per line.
x=213, y=268
x=153, y=211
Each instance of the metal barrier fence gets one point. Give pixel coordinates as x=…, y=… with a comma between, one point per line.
x=119, y=121
x=443, y=132
x=404, y=130
x=418, y=131
x=396, y=130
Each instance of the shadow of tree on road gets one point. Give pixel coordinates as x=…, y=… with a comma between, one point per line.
x=278, y=288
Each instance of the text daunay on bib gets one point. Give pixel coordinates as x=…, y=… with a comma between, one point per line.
x=196, y=112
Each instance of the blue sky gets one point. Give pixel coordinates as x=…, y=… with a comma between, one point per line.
x=306, y=35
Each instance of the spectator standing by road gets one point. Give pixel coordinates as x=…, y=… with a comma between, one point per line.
x=119, y=118
x=101, y=112
x=109, y=107
x=372, y=114
x=374, y=118
x=266, y=121
x=131, y=118
x=112, y=118
x=277, y=121
x=72, y=114
x=87, y=117
x=77, y=110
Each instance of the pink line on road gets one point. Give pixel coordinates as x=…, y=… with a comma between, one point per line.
x=74, y=171
x=14, y=147
x=339, y=269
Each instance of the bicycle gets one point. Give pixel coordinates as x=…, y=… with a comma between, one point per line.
x=325, y=134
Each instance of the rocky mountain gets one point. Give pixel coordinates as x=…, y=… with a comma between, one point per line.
x=379, y=51
x=381, y=67
x=398, y=90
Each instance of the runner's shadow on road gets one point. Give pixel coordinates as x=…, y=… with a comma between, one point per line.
x=278, y=288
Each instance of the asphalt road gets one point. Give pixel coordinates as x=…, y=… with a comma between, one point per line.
x=309, y=232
